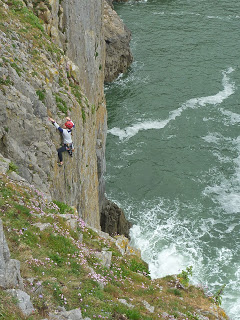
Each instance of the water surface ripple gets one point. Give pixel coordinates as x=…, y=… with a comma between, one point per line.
x=173, y=145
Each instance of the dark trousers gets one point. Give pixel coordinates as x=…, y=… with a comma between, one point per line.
x=60, y=151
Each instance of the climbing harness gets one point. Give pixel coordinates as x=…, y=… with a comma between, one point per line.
x=70, y=148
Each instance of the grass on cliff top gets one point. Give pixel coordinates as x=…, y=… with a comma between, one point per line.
x=60, y=268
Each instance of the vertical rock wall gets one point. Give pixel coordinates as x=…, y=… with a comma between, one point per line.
x=38, y=81
x=85, y=45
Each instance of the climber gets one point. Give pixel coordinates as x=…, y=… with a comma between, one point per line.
x=66, y=131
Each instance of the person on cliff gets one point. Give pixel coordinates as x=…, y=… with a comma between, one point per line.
x=66, y=132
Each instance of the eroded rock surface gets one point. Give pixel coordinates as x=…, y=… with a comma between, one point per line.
x=9, y=268
x=113, y=220
x=117, y=38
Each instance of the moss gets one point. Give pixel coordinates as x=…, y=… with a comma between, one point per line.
x=17, y=68
x=25, y=15
x=41, y=94
x=63, y=207
x=12, y=167
x=83, y=115
x=5, y=82
x=61, y=104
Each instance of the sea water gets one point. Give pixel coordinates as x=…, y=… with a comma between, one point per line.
x=173, y=144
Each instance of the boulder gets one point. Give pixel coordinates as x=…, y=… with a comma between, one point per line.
x=24, y=302
x=105, y=257
x=9, y=268
x=4, y=164
x=124, y=247
x=113, y=220
x=74, y=314
x=148, y=306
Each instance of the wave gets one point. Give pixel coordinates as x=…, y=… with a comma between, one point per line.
x=226, y=192
x=130, y=131
x=169, y=243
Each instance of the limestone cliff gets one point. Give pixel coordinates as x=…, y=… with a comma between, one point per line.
x=39, y=78
x=117, y=37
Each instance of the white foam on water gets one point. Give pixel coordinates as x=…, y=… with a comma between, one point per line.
x=168, y=261
x=227, y=192
x=170, y=243
x=161, y=263
x=212, y=138
x=231, y=117
x=231, y=297
x=130, y=131
x=233, y=306
x=131, y=79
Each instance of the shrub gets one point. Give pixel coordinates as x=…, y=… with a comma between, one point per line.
x=136, y=266
x=12, y=167
x=217, y=297
x=63, y=207
x=184, y=276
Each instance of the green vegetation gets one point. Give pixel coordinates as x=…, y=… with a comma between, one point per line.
x=17, y=68
x=5, y=82
x=63, y=207
x=13, y=167
x=41, y=94
x=25, y=15
x=83, y=115
x=61, y=104
x=217, y=297
x=184, y=276
x=139, y=267
x=63, y=262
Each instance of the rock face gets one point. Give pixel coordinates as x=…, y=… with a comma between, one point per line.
x=117, y=38
x=113, y=220
x=9, y=268
x=36, y=84
x=39, y=79
x=110, y=2
x=24, y=302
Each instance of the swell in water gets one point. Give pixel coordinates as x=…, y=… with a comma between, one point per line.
x=228, y=90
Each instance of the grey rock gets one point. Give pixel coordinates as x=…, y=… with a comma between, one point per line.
x=71, y=221
x=24, y=302
x=74, y=314
x=14, y=176
x=78, y=27
x=148, y=306
x=129, y=305
x=105, y=258
x=4, y=164
x=102, y=234
x=110, y=2
x=9, y=268
x=117, y=38
x=42, y=226
x=113, y=220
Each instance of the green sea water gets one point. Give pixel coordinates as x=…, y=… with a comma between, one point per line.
x=173, y=145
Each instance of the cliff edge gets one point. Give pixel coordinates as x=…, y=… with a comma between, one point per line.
x=56, y=267
x=52, y=63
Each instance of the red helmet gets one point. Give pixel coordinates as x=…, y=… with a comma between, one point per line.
x=69, y=124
